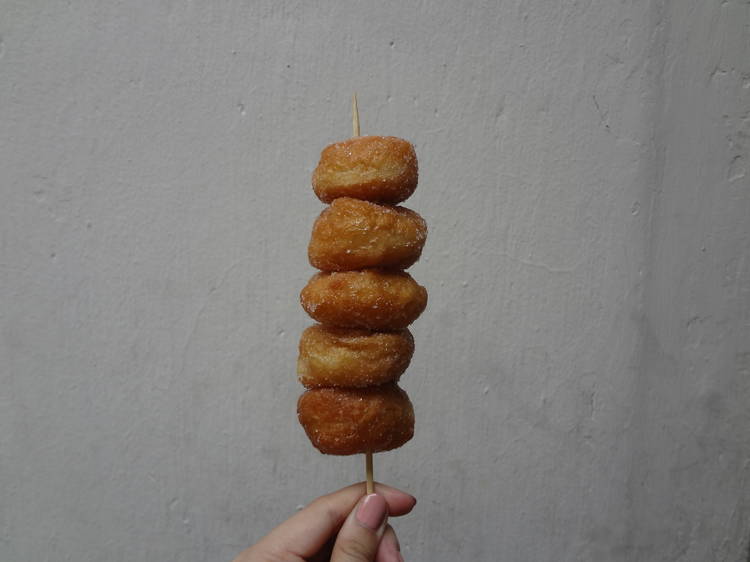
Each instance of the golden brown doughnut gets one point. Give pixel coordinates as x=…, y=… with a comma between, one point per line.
x=352, y=358
x=379, y=169
x=347, y=421
x=372, y=299
x=354, y=234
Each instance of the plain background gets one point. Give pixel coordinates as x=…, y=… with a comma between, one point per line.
x=582, y=375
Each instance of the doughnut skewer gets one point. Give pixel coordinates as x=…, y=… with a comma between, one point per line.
x=368, y=455
x=362, y=298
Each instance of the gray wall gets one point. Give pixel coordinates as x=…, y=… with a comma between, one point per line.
x=582, y=375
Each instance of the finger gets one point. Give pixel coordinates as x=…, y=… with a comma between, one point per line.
x=324, y=554
x=360, y=535
x=399, y=503
x=307, y=531
x=389, y=549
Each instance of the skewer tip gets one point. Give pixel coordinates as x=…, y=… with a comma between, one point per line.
x=355, y=116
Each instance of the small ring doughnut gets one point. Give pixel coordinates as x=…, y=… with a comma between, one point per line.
x=354, y=234
x=378, y=169
x=352, y=358
x=372, y=299
x=349, y=421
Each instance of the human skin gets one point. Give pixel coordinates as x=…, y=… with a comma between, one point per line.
x=344, y=526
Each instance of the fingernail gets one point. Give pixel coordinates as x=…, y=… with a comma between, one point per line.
x=371, y=512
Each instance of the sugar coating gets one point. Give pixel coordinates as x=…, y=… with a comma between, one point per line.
x=346, y=421
x=371, y=168
x=352, y=234
x=372, y=299
x=347, y=357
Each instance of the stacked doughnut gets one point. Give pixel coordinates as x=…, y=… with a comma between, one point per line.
x=363, y=300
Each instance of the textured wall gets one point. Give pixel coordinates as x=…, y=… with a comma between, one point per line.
x=582, y=375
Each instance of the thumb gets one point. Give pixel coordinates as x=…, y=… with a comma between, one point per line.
x=358, y=538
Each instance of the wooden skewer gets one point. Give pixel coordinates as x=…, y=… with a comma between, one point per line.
x=368, y=455
x=368, y=472
x=355, y=116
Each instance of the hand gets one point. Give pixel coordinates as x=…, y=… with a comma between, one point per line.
x=345, y=526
